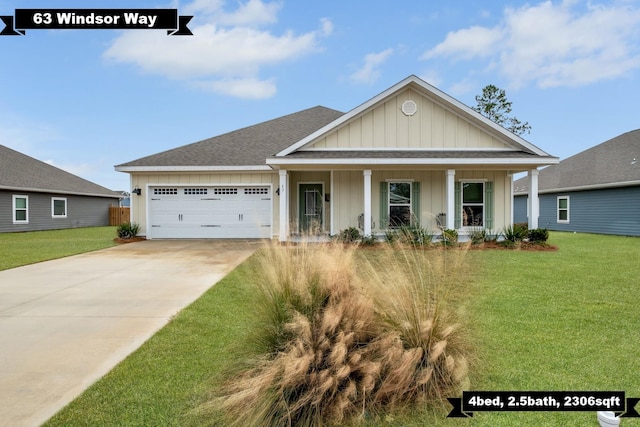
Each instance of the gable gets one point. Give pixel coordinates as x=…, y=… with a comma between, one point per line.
x=428, y=126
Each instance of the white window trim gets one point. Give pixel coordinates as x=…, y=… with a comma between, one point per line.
x=410, y=204
x=53, y=200
x=568, y=209
x=13, y=211
x=482, y=181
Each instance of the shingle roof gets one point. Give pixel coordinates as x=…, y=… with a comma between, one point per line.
x=21, y=172
x=614, y=161
x=249, y=146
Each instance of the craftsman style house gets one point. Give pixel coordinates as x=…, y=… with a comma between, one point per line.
x=411, y=155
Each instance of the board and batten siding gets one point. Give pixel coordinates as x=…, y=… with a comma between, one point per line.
x=605, y=211
x=387, y=127
x=82, y=211
x=139, y=205
x=348, y=195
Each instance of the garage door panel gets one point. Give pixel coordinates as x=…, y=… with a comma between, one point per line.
x=210, y=212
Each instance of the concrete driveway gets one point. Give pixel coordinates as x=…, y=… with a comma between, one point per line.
x=66, y=323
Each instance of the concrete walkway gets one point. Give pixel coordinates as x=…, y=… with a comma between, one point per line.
x=66, y=323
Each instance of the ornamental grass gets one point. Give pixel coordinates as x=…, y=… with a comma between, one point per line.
x=348, y=334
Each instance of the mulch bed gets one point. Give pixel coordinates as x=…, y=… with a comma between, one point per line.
x=120, y=240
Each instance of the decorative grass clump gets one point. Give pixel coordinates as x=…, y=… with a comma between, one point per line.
x=347, y=335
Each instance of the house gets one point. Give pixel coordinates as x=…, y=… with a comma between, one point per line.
x=38, y=196
x=595, y=191
x=411, y=155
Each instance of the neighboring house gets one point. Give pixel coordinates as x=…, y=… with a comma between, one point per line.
x=38, y=196
x=595, y=191
x=411, y=155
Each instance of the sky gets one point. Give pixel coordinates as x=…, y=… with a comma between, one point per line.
x=86, y=100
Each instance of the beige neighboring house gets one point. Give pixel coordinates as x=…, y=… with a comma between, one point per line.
x=411, y=155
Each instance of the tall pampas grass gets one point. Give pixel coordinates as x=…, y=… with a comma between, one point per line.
x=346, y=333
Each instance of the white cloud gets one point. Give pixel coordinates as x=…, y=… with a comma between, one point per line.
x=565, y=44
x=369, y=72
x=226, y=47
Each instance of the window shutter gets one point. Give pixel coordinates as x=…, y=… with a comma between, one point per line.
x=415, y=203
x=458, y=203
x=488, y=205
x=384, y=208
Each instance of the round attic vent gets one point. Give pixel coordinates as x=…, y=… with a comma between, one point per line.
x=409, y=108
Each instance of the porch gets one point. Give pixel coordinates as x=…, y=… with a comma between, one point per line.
x=321, y=203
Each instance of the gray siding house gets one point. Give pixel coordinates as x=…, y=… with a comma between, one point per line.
x=37, y=196
x=595, y=191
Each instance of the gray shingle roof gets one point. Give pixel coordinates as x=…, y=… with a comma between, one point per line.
x=21, y=172
x=614, y=161
x=249, y=146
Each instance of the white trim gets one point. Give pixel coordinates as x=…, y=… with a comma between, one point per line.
x=414, y=161
x=191, y=168
x=66, y=207
x=568, y=209
x=451, y=198
x=367, y=203
x=320, y=150
x=324, y=219
x=331, y=213
x=449, y=103
x=400, y=180
x=534, y=205
x=473, y=180
x=13, y=208
x=283, y=229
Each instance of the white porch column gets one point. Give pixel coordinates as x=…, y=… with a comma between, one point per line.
x=284, y=206
x=367, y=202
x=451, y=199
x=534, y=202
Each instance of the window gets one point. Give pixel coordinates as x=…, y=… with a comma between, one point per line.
x=563, y=209
x=58, y=207
x=399, y=204
x=20, y=209
x=473, y=204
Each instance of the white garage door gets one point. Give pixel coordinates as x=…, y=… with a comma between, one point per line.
x=179, y=212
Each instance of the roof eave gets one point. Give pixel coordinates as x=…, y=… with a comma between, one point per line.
x=584, y=187
x=130, y=169
x=537, y=161
x=54, y=191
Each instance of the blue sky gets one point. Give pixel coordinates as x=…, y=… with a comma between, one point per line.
x=86, y=100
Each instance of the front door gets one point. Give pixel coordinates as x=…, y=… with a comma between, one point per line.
x=311, y=199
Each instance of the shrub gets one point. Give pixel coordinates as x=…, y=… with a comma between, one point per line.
x=344, y=334
x=128, y=230
x=514, y=233
x=478, y=235
x=410, y=235
x=449, y=236
x=538, y=235
x=349, y=235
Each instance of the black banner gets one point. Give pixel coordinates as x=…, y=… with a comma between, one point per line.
x=96, y=19
x=548, y=401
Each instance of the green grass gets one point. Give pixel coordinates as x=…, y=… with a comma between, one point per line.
x=565, y=320
x=18, y=249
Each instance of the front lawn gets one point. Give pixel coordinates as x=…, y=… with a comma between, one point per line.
x=564, y=320
x=18, y=249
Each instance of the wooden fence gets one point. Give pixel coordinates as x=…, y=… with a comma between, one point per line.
x=118, y=215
